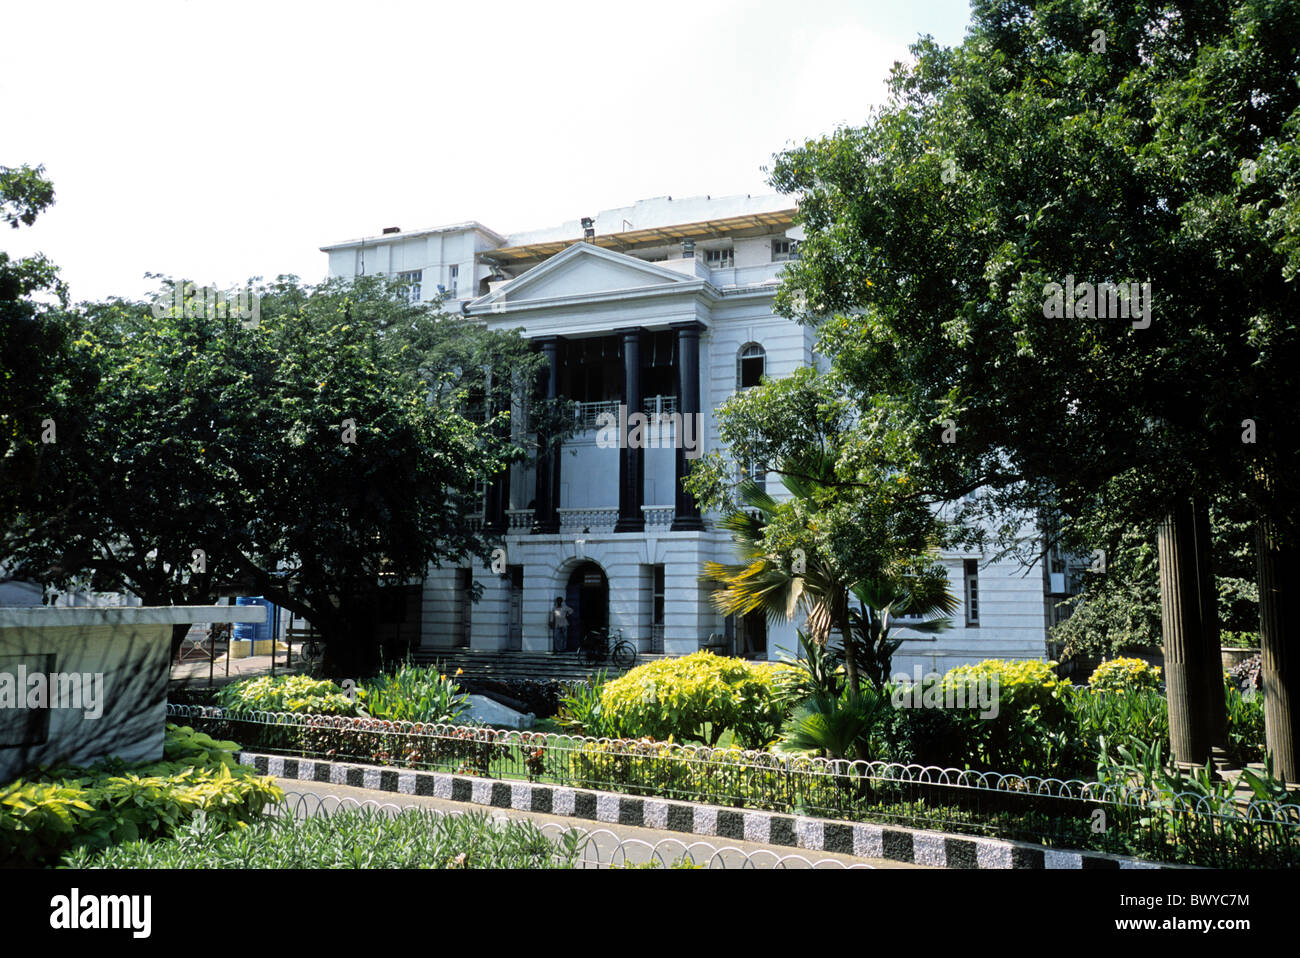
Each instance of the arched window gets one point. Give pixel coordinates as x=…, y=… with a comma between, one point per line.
x=751, y=364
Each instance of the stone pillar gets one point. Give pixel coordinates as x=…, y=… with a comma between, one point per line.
x=1209, y=597
x=1277, y=559
x=631, y=462
x=1181, y=614
x=546, y=516
x=686, y=514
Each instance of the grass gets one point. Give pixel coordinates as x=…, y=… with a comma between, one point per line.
x=355, y=838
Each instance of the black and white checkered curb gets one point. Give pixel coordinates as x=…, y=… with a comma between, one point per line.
x=769, y=828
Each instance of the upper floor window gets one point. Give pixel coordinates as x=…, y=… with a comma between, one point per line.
x=971, y=569
x=751, y=364
x=453, y=279
x=411, y=280
x=720, y=258
x=784, y=250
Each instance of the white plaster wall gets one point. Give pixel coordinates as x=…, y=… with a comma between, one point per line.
x=549, y=560
x=1011, y=621
x=1011, y=604
x=129, y=648
x=439, y=615
x=754, y=251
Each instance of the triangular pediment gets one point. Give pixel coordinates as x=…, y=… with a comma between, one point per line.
x=583, y=270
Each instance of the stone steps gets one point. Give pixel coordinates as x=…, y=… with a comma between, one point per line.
x=506, y=665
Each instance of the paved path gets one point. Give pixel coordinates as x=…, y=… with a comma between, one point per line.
x=638, y=844
x=193, y=673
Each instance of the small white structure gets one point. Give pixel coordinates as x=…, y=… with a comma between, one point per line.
x=663, y=307
x=81, y=684
x=491, y=712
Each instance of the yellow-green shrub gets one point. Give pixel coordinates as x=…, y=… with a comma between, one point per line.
x=59, y=810
x=728, y=777
x=698, y=697
x=1023, y=685
x=290, y=693
x=1029, y=731
x=1118, y=675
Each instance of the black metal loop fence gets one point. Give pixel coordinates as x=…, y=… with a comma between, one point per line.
x=1185, y=827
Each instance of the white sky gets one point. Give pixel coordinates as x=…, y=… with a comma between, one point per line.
x=223, y=140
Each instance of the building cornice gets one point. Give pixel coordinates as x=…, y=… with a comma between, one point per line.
x=383, y=238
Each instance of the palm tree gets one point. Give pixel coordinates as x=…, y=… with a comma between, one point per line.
x=820, y=587
x=833, y=726
x=760, y=582
x=881, y=603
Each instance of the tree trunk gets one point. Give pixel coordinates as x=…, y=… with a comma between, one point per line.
x=1180, y=625
x=1276, y=563
x=178, y=637
x=350, y=648
x=1209, y=602
x=861, y=747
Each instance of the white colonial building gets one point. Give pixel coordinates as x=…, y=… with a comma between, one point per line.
x=664, y=306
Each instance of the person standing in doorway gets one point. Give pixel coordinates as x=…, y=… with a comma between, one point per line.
x=560, y=625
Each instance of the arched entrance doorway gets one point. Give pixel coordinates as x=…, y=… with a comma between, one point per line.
x=587, y=594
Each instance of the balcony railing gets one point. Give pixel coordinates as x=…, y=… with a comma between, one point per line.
x=572, y=520
x=658, y=515
x=659, y=405
x=575, y=520
x=586, y=415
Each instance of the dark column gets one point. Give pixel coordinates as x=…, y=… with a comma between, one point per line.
x=686, y=514
x=546, y=516
x=1277, y=560
x=498, y=494
x=498, y=498
x=1181, y=614
x=1209, y=595
x=631, y=462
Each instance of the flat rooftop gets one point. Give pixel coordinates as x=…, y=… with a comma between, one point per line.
x=660, y=219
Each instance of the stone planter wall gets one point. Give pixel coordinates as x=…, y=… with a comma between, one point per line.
x=1234, y=657
x=82, y=684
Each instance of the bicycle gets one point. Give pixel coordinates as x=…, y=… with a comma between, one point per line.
x=602, y=644
x=312, y=653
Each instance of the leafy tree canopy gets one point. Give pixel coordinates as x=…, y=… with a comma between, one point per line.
x=1067, y=143
x=333, y=441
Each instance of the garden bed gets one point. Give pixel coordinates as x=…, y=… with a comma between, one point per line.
x=1188, y=828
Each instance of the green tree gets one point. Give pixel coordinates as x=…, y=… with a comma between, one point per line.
x=848, y=518
x=1135, y=143
x=923, y=595
x=328, y=448
x=34, y=343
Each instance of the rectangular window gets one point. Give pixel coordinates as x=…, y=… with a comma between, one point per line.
x=972, y=568
x=754, y=472
x=784, y=250
x=464, y=607
x=25, y=727
x=411, y=279
x=453, y=279
x=720, y=258
x=516, y=622
x=658, y=620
